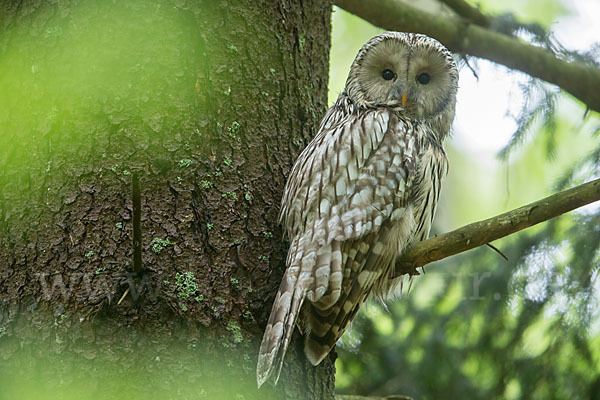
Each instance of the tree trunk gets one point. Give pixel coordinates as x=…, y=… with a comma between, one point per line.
x=143, y=151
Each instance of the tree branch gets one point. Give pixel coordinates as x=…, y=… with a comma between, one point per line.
x=473, y=14
x=483, y=232
x=463, y=37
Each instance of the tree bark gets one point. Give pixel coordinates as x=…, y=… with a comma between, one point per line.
x=143, y=151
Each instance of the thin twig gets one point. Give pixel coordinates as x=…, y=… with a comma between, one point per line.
x=497, y=250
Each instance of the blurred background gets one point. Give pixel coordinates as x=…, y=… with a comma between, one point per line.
x=476, y=326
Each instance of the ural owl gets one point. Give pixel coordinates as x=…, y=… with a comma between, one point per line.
x=364, y=188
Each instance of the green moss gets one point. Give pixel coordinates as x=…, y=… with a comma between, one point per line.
x=234, y=282
x=309, y=101
x=235, y=126
x=206, y=184
x=232, y=195
x=186, y=285
x=233, y=129
x=89, y=254
x=236, y=332
x=184, y=163
x=248, y=315
x=301, y=41
x=159, y=244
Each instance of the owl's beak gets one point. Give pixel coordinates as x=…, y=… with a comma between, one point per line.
x=403, y=99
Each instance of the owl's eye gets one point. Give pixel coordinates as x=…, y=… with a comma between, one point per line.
x=424, y=78
x=388, y=74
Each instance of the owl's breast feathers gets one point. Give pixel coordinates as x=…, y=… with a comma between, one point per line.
x=364, y=167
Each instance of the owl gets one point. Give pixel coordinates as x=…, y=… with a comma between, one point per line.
x=364, y=189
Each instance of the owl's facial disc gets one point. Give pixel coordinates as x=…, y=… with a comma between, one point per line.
x=409, y=71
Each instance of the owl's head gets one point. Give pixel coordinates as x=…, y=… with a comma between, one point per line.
x=407, y=70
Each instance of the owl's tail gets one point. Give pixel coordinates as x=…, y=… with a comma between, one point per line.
x=315, y=273
x=327, y=325
x=280, y=327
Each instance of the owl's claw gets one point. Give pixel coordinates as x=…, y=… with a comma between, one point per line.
x=404, y=267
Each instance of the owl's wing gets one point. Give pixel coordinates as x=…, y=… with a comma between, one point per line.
x=346, y=182
x=351, y=178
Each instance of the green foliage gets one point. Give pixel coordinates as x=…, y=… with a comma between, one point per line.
x=476, y=327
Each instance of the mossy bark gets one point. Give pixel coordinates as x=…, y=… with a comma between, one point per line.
x=206, y=104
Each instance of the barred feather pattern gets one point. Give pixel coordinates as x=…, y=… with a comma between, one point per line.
x=361, y=191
